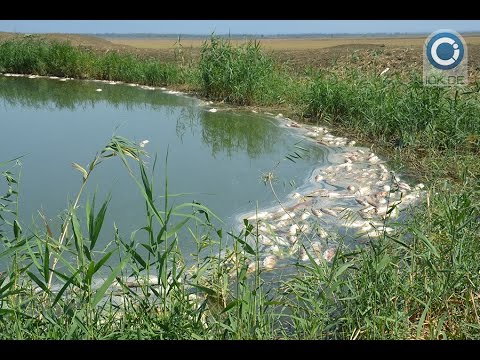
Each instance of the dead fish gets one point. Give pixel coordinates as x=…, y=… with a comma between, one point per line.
x=317, y=248
x=394, y=212
x=275, y=249
x=303, y=254
x=287, y=216
x=384, y=71
x=368, y=209
x=329, y=212
x=262, y=228
x=366, y=215
x=267, y=227
x=292, y=239
x=380, y=231
x=419, y=186
x=317, y=213
x=364, y=190
x=133, y=282
x=281, y=224
x=329, y=254
x=269, y=262
x=347, y=165
x=265, y=240
x=365, y=227
x=322, y=193
x=381, y=195
x=304, y=227
x=293, y=229
x=381, y=210
x=279, y=240
x=143, y=143
x=260, y=216
x=361, y=201
x=322, y=233
x=305, y=215
x=355, y=224
x=311, y=134
x=296, y=195
x=410, y=197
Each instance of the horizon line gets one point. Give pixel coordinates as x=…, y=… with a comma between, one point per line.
x=176, y=34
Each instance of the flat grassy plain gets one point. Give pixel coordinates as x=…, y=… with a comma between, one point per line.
x=421, y=283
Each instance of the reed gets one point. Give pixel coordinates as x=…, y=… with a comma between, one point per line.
x=419, y=284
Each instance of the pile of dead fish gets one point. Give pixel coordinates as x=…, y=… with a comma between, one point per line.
x=353, y=198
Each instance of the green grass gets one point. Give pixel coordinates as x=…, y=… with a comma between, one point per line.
x=423, y=283
x=393, y=109
x=234, y=74
x=33, y=56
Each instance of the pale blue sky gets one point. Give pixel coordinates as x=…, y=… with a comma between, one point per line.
x=267, y=27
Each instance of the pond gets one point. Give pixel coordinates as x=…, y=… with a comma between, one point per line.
x=217, y=158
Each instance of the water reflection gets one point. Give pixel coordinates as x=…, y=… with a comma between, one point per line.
x=218, y=158
x=74, y=94
x=224, y=132
x=231, y=132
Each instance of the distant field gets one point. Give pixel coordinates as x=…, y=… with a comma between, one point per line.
x=289, y=44
x=397, y=53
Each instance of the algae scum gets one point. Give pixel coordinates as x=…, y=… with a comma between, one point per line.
x=309, y=187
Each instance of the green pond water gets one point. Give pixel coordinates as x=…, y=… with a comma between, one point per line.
x=217, y=158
